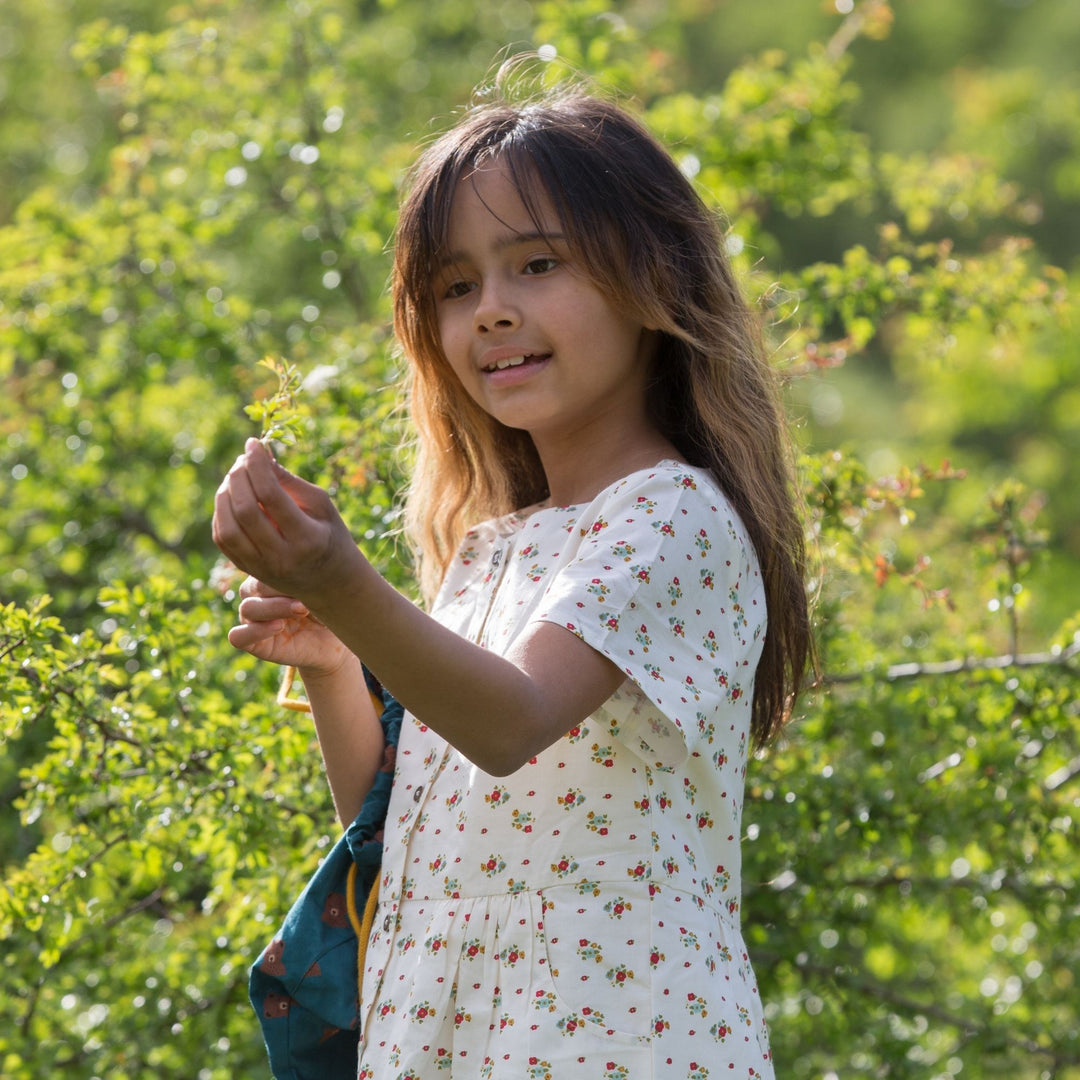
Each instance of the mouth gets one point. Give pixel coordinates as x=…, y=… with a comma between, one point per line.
x=514, y=361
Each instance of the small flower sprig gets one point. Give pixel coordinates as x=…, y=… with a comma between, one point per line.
x=277, y=413
x=281, y=423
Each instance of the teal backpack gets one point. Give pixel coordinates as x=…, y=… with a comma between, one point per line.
x=305, y=984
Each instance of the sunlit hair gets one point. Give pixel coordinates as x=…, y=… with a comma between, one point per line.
x=635, y=226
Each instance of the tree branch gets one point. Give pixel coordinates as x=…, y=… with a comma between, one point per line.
x=848, y=31
x=1063, y=775
x=957, y=666
x=11, y=647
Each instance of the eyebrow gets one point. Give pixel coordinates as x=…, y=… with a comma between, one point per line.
x=508, y=241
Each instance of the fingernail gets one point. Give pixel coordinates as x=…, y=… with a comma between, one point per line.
x=298, y=608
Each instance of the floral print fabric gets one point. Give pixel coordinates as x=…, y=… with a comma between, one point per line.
x=579, y=919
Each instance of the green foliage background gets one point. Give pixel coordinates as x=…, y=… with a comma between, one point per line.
x=185, y=188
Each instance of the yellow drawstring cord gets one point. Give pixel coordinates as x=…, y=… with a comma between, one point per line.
x=361, y=924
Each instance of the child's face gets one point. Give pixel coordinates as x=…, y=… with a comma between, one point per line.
x=509, y=290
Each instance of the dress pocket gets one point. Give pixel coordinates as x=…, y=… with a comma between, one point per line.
x=597, y=943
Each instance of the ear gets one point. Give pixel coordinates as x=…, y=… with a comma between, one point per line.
x=650, y=342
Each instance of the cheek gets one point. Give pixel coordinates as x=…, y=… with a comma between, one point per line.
x=454, y=358
x=449, y=333
x=457, y=358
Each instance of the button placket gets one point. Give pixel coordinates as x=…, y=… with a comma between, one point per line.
x=500, y=560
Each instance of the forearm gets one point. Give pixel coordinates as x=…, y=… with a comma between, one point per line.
x=498, y=711
x=490, y=708
x=349, y=733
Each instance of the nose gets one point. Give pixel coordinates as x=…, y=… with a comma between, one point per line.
x=496, y=308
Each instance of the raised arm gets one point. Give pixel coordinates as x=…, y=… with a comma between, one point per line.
x=499, y=712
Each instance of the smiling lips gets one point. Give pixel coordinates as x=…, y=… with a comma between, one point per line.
x=512, y=361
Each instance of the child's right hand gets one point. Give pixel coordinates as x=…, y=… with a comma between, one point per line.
x=280, y=629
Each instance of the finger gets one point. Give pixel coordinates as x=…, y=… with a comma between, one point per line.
x=226, y=531
x=260, y=509
x=288, y=500
x=255, y=636
x=310, y=498
x=267, y=609
x=239, y=528
x=252, y=586
x=249, y=486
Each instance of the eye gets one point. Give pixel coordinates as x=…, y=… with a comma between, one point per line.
x=456, y=289
x=542, y=264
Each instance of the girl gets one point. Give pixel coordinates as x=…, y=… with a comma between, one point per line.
x=561, y=873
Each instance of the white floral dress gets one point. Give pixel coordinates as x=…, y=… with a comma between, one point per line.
x=579, y=919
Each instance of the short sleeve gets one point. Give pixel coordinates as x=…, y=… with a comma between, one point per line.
x=665, y=583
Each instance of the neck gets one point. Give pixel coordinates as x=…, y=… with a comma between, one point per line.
x=578, y=469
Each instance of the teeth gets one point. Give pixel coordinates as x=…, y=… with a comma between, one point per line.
x=511, y=361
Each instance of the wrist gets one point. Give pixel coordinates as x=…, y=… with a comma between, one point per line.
x=340, y=580
x=346, y=665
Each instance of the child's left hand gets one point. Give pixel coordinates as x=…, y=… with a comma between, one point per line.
x=281, y=529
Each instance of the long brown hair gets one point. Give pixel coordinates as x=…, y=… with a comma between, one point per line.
x=637, y=228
